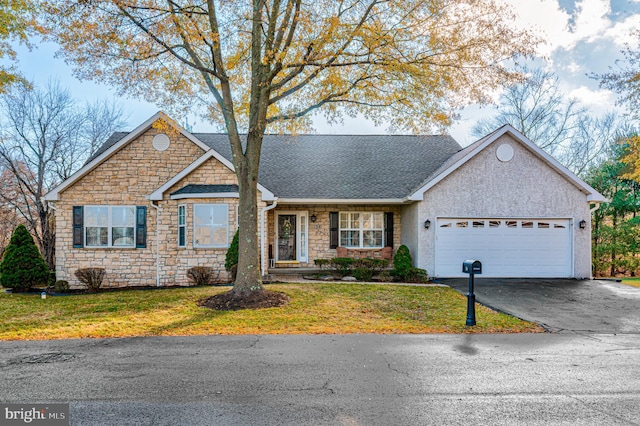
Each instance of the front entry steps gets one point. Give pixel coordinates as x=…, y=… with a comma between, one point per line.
x=290, y=274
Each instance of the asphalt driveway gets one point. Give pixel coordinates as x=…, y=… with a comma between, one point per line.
x=585, y=306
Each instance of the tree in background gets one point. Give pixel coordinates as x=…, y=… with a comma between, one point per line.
x=45, y=137
x=270, y=64
x=558, y=124
x=22, y=266
x=615, y=224
x=9, y=217
x=624, y=77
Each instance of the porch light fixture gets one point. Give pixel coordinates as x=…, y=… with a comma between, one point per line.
x=427, y=224
x=582, y=224
x=313, y=218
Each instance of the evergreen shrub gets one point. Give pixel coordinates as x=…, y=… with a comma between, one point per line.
x=22, y=265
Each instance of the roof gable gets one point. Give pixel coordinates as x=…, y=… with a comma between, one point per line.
x=115, y=143
x=462, y=157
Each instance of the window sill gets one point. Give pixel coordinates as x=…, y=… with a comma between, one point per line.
x=106, y=248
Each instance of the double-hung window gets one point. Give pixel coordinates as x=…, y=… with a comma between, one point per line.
x=110, y=226
x=362, y=229
x=211, y=225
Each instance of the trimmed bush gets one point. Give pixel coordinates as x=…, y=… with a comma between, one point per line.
x=342, y=265
x=362, y=273
x=201, y=275
x=22, y=265
x=376, y=265
x=415, y=275
x=61, y=286
x=402, y=261
x=91, y=277
x=322, y=263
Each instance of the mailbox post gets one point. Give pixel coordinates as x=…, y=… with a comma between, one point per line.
x=471, y=267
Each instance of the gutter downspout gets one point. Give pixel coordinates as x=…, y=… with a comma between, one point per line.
x=155, y=206
x=263, y=213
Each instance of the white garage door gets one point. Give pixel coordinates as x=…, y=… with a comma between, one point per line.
x=506, y=247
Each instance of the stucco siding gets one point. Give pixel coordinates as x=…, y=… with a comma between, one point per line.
x=525, y=187
x=411, y=230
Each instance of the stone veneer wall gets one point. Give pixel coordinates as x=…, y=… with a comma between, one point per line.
x=175, y=261
x=124, y=179
x=319, y=231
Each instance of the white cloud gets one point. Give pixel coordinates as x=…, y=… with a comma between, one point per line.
x=590, y=21
x=593, y=99
x=622, y=32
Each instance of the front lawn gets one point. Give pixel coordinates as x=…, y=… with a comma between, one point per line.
x=313, y=309
x=634, y=282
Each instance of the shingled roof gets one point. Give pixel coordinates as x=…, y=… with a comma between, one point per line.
x=339, y=166
x=344, y=166
x=205, y=189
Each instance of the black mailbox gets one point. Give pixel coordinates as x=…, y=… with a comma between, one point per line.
x=470, y=266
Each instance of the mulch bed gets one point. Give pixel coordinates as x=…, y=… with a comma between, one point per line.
x=228, y=301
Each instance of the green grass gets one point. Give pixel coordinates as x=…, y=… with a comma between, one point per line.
x=313, y=309
x=634, y=282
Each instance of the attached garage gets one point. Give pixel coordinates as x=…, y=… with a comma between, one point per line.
x=511, y=247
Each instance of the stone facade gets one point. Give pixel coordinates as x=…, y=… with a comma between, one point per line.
x=126, y=178
x=319, y=232
x=483, y=187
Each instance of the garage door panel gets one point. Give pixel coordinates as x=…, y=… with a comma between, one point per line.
x=506, y=247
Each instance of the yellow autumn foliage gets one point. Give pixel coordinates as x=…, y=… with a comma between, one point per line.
x=409, y=63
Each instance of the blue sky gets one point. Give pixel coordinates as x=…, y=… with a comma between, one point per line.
x=582, y=36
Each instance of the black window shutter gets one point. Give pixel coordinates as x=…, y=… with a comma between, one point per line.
x=388, y=229
x=141, y=227
x=78, y=221
x=333, y=229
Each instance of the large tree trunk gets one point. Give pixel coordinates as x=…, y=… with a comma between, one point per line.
x=249, y=274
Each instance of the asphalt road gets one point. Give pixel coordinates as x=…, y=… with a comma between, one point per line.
x=524, y=379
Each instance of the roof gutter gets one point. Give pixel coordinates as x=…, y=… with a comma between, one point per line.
x=344, y=200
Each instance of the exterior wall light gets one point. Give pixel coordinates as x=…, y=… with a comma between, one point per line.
x=313, y=218
x=583, y=224
x=427, y=224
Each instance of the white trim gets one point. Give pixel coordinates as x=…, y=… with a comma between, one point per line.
x=157, y=209
x=184, y=207
x=298, y=214
x=109, y=226
x=263, y=232
x=158, y=194
x=206, y=195
x=343, y=200
x=592, y=194
x=54, y=194
x=360, y=229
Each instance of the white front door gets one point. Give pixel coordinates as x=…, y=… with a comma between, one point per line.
x=291, y=237
x=506, y=247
